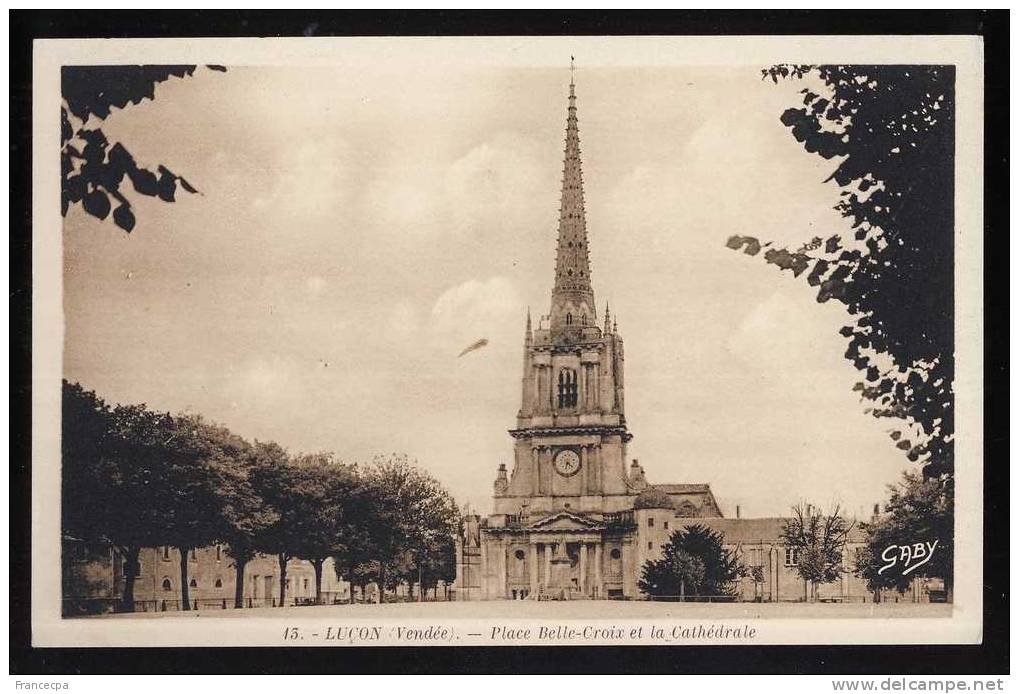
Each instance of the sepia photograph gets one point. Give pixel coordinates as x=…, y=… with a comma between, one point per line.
x=506, y=341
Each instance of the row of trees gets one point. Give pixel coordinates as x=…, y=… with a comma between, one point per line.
x=695, y=561
x=135, y=478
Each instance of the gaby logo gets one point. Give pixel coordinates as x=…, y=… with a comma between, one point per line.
x=911, y=557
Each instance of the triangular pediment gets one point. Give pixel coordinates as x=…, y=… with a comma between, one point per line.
x=564, y=520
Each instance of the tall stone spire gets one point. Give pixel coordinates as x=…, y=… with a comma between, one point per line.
x=573, y=297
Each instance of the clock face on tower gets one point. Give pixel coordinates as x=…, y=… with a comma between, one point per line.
x=567, y=462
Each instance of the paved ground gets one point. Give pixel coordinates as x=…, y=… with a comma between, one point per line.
x=581, y=609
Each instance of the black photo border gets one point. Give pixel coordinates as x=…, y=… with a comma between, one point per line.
x=990, y=657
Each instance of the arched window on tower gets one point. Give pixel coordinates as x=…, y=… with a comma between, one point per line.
x=569, y=319
x=567, y=388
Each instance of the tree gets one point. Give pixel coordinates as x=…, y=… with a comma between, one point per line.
x=437, y=564
x=354, y=550
x=251, y=515
x=818, y=540
x=205, y=494
x=86, y=431
x=273, y=477
x=891, y=129
x=918, y=510
x=693, y=561
x=316, y=504
x=411, y=515
x=112, y=464
x=92, y=169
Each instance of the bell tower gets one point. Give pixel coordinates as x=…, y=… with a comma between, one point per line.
x=571, y=433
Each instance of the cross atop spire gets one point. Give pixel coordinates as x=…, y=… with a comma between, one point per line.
x=573, y=296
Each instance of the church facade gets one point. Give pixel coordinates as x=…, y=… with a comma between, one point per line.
x=565, y=518
x=573, y=519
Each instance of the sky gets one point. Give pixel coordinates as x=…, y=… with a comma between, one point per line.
x=357, y=229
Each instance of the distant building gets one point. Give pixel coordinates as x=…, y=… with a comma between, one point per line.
x=571, y=520
x=93, y=579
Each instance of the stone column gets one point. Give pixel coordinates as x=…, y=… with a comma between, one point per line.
x=629, y=578
x=542, y=472
x=582, y=389
x=773, y=573
x=548, y=564
x=503, y=571
x=483, y=568
x=536, y=472
x=585, y=469
x=532, y=566
x=583, y=569
x=599, y=587
x=546, y=465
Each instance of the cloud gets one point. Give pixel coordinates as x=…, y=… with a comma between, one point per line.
x=311, y=181
x=497, y=181
x=403, y=318
x=476, y=309
x=315, y=286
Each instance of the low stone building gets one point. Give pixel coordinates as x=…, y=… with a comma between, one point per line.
x=94, y=579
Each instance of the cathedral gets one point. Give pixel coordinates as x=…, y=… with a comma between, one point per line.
x=573, y=520
x=566, y=519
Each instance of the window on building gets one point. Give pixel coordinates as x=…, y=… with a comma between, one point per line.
x=219, y=552
x=166, y=552
x=650, y=545
x=569, y=316
x=193, y=555
x=193, y=583
x=651, y=522
x=686, y=510
x=665, y=525
x=567, y=388
x=305, y=585
x=615, y=554
x=219, y=583
x=519, y=554
x=792, y=556
x=166, y=584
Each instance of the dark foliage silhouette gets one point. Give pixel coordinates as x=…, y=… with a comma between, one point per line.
x=891, y=130
x=694, y=562
x=917, y=510
x=92, y=168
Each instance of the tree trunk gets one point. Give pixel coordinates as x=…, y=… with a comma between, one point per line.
x=283, y=559
x=185, y=594
x=682, y=590
x=131, y=561
x=316, y=564
x=239, y=565
x=382, y=581
x=421, y=587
